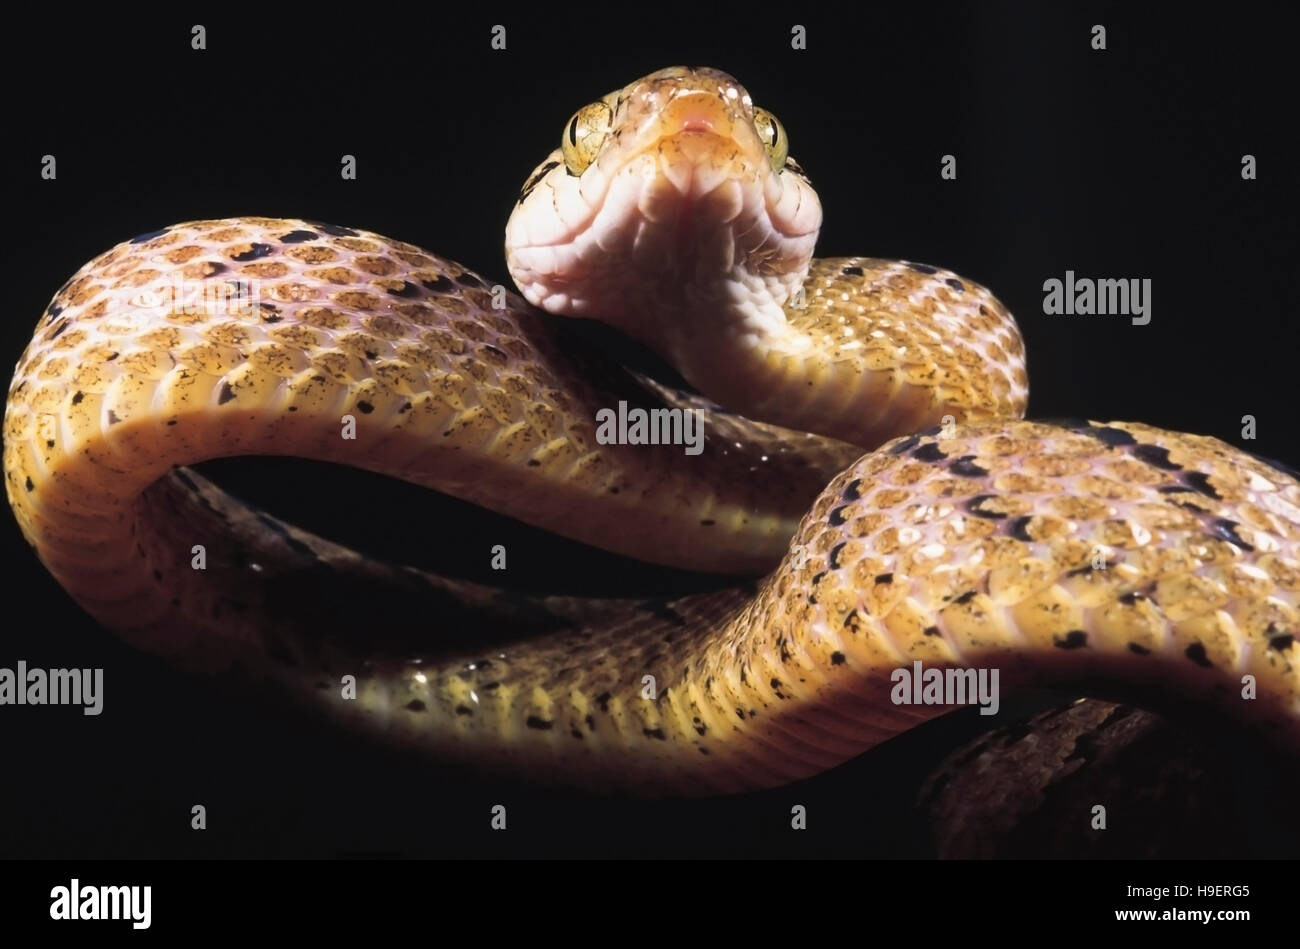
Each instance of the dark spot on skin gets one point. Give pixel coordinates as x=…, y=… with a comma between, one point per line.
x=837, y=658
x=1075, y=639
x=536, y=179
x=884, y=578
x=1281, y=642
x=1139, y=649
x=1227, y=530
x=441, y=285
x=227, y=393
x=495, y=352
x=603, y=701
x=955, y=284
x=112, y=417
x=662, y=610
x=1196, y=653
x=298, y=237
x=818, y=578
x=407, y=289
x=1174, y=489
x=974, y=506
x=62, y=326
x=922, y=268
x=591, y=722
x=415, y=705
x=468, y=279
x=785, y=653
x=907, y=444
x=966, y=467
x=853, y=490
x=965, y=597
x=835, y=556
x=836, y=518
x=740, y=713
x=700, y=727
x=254, y=252
x=1155, y=455
x=140, y=239
x=929, y=452
x=406, y=407
x=28, y=484
x=370, y=354
x=489, y=686
x=365, y=407
x=76, y=399
x=111, y=357
x=1019, y=528
x=932, y=631
x=852, y=271
x=1115, y=437
x=848, y=620
x=171, y=421
x=464, y=710
x=1199, y=481
x=654, y=733
x=333, y=230
x=707, y=523
x=1128, y=599
x=540, y=724
x=534, y=463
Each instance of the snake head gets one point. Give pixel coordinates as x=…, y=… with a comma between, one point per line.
x=670, y=195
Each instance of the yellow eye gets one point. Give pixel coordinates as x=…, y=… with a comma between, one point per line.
x=584, y=135
x=772, y=135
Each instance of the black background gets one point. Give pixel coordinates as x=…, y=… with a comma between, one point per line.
x=1117, y=163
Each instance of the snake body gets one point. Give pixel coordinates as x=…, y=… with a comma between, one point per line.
x=1119, y=555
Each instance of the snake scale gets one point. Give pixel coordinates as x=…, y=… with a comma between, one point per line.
x=1118, y=554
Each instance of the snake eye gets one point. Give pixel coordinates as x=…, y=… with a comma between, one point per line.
x=584, y=135
x=772, y=135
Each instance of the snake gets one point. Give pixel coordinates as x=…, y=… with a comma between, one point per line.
x=866, y=476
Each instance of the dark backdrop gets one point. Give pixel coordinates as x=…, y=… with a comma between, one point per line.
x=1117, y=163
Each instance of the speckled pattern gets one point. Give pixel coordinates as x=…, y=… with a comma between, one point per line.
x=1057, y=553
x=975, y=550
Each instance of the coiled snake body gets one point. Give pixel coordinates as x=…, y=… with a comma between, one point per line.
x=1118, y=553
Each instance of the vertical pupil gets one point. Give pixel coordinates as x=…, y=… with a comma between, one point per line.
x=573, y=132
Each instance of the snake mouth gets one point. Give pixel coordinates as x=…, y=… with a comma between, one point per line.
x=683, y=201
